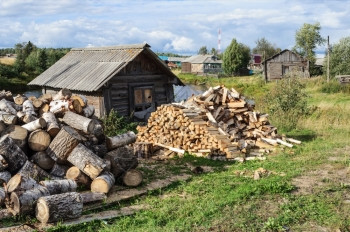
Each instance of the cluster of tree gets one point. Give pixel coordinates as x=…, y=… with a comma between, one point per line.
x=5, y=51
x=169, y=54
x=31, y=60
x=204, y=51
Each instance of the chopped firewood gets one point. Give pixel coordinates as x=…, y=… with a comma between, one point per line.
x=132, y=178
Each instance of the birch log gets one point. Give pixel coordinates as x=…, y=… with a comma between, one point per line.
x=6, y=94
x=59, y=106
x=5, y=176
x=86, y=161
x=28, y=107
x=59, y=207
x=64, y=142
x=7, y=107
x=7, y=118
x=103, y=183
x=63, y=94
x=78, y=176
x=34, y=171
x=37, y=103
x=79, y=122
x=52, y=125
x=24, y=202
x=42, y=160
x=88, y=111
x=44, y=108
x=39, y=140
x=46, y=97
x=20, y=182
x=59, y=186
x=18, y=134
x=120, y=140
x=29, y=118
x=14, y=156
x=34, y=125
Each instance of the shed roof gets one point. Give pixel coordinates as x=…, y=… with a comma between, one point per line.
x=87, y=69
x=281, y=52
x=202, y=59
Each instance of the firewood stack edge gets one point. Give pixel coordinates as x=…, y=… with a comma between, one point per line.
x=50, y=146
x=218, y=124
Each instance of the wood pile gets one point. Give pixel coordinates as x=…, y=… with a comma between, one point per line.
x=51, y=145
x=219, y=124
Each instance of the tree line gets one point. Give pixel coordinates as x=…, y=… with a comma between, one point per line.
x=31, y=61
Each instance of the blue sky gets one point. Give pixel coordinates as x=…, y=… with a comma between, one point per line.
x=168, y=26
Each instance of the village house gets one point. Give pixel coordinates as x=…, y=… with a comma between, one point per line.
x=283, y=63
x=201, y=64
x=130, y=79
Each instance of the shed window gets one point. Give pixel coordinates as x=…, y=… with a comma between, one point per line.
x=143, y=98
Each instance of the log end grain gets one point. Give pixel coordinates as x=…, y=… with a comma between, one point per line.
x=132, y=178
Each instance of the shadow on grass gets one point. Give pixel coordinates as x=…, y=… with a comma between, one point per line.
x=302, y=135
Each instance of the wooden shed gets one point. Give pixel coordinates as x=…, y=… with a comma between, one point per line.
x=130, y=79
x=200, y=64
x=283, y=63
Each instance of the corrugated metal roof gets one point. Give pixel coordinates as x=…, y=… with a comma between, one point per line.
x=87, y=69
x=202, y=59
x=179, y=59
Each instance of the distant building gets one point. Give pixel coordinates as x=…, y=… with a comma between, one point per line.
x=176, y=60
x=201, y=64
x=283, y=63
x=255, y=61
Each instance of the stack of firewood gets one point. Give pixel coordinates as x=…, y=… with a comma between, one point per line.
x=51, y=145
x=220, y=124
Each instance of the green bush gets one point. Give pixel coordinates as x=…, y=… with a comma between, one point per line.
x=287, y=103
x=114, y=124
x=334, y=87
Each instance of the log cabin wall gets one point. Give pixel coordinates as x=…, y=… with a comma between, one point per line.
x=94, y=98
x=140, y=85
x=286, y=62
x=186, y=67
x=197, y=68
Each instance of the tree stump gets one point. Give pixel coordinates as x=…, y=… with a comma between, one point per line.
x=78, y=176
x=64, y=142
x=52, y=125
x=79, y=122
x=63, y=94
x=59, y=207
x=14, y=156
x=23, y=202
x=59, y=186
x=5, y=176
x=36, y=124
x=34, y=171
x=20, y=182
x=103, y=183
x=86, y=161
x=42, y=160
x=39, y=140
x=122, y=159
x=132, y=178
x=120, y=140
x=59, y=170
x=143, y=150
x=18, y=134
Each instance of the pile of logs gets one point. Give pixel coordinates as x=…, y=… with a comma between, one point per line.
x=51, y=145
x=219, y=124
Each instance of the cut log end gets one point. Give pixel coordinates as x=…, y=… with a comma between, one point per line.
x=42, y=211
x=132, y=178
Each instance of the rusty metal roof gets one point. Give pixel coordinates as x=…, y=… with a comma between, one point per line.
x=87, y=69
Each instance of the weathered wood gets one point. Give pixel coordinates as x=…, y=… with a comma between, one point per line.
x=88, y=111
x=5, y=213
x=122, y=159
x=43, y=160
x=103, y=183
x=24, y=202
x=59, y=106
x=2, y=196
x=78, y=176
x=132, y=178
x=3, y=163
x=79, y=122
x=5, y=106
x=86, y=161
x=2, y=126
x=64, y=142
x=143, y=150
x=284, y=143
x=14, y=156
x=82, y=100
x=18, y=134
x=34, y=171
x=29, y=118
x=120, y=140
x=177, y=150
x=5, y=176
x=52, y=124
x=8, y=118
x=59, y=170
x=34, y=125
x=91, y=197
x=59, y=207
x=20, y=182
x=28, y=107
x=39, y=140
x=59, y=186
x=63, y=94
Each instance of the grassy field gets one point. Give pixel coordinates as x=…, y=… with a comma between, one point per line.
x=7, y=60
x=307, y=188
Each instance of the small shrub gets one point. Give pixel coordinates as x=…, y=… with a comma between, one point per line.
x=334, y=87
x=114, y=124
